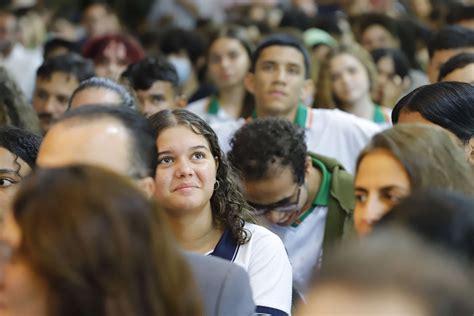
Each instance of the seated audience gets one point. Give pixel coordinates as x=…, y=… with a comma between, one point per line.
x=121, y=139
x=81, y=240
x=390, y=273
x=305, y=198
x=155, y=82
x=401, y=160
x=279, y=74
x=446, y=104
x=56, y=80
x=197, y=190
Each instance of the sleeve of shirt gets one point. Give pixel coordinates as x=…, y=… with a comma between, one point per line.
x=270, y=274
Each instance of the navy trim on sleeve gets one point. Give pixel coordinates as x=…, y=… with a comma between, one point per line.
x=227, y=247
x=270, y=311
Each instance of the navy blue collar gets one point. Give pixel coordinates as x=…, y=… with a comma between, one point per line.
x=227, y=247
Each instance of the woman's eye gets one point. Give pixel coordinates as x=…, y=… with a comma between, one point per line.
x=394, y=198
x=165, y=160
x=198, y=155
x=360, y=198
x=6, y=182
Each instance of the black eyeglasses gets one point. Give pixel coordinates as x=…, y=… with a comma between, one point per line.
x=286, y=205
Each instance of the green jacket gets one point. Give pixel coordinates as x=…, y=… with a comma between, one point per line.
x=339, y=220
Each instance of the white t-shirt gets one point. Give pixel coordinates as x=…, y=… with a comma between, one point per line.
x=265, y=259
x=200, y=108
x=304, y=245
x=22, y=64
x=332, y=133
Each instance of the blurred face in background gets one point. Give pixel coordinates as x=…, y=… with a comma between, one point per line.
x=228, y=62
x=350, y=79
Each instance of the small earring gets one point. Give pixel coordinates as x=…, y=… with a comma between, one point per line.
x=216, y=185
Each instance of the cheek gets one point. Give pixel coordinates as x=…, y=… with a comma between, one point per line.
x=24, y=292
x=162, y=181
x=6, y=197
x=101, y=70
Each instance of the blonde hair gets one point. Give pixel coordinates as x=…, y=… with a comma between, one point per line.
x=325, y=98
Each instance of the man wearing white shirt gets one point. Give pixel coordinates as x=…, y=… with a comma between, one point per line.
x=20, y=62
x=278, y=77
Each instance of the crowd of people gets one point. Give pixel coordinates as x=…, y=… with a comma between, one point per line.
x=253, y=157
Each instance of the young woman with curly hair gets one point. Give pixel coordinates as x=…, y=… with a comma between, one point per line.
x=196, y=188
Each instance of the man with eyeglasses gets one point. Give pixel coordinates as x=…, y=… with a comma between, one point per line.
x=305, y=198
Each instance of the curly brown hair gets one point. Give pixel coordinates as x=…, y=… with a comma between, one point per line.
x=14, y=109
x=229, y=208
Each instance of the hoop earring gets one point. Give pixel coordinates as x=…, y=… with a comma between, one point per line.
x=217, y=185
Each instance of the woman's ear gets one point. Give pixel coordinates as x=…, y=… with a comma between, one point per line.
x=147, y=185
x=470, y=150
x=308, y=164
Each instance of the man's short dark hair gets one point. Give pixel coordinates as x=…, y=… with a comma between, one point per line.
x=126, y=98
x=369, y=19
x=451, y=37
x=281, y=39
x=448, y=104
x=70, y=64
x=143, y=74
x=143, y=155
x=20, y=143
x=263, y=144
x=52, y=44
x=456, y=62
x=459, y=12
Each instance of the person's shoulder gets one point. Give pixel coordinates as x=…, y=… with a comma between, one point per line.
x=263, y=234
x=198, y=106
x=224, y=286
x=343, y=121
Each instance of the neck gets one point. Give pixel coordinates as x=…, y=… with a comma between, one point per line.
x=288, y=115
x=231, y=99
x=6, y=51
x=362, y=108
x=190, y=86
x=313, y=182
x=194, y=231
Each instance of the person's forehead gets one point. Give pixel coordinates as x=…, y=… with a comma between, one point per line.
x=102, y=142
x=281, y=54
x=58, y=78
x=159, y=87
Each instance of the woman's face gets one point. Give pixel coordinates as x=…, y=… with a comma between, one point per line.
x=186, y=173
x=380, y=183
x=113, y=61
x=228, y=62
x=12, y=170
x=389, y=86
x=350, y=80
x=22, y=291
